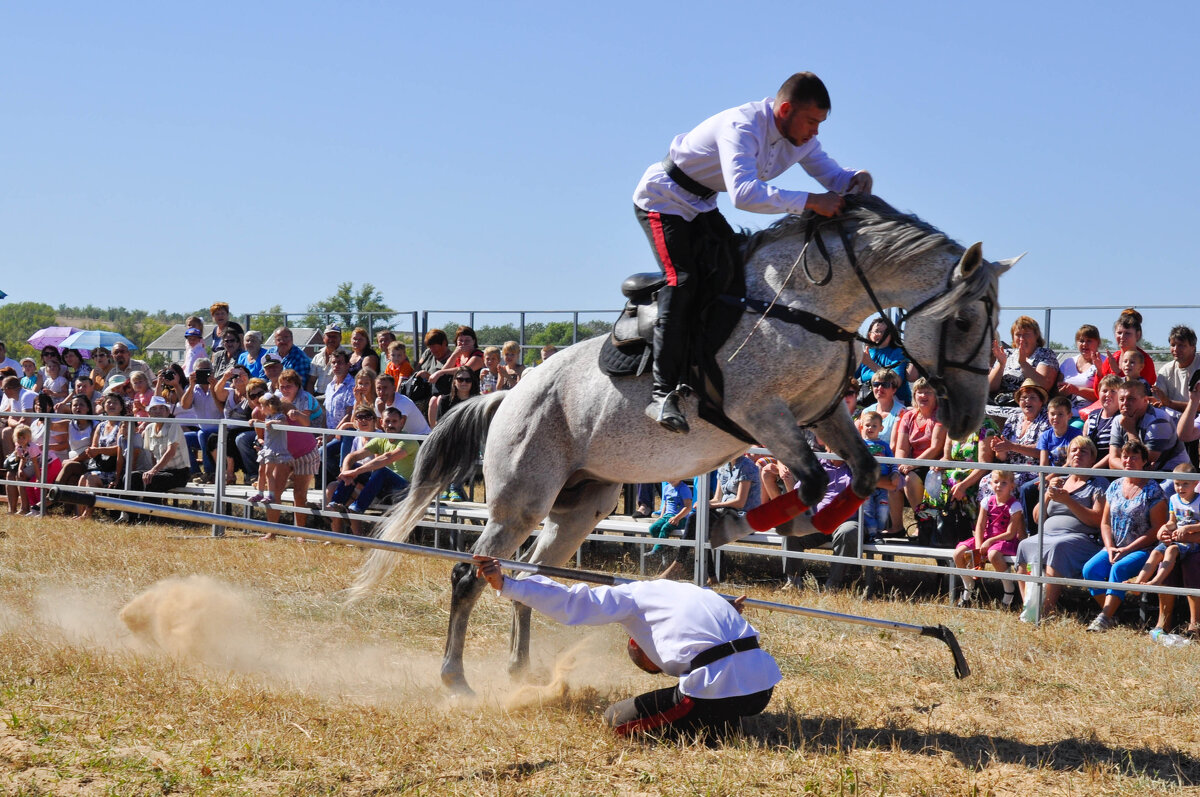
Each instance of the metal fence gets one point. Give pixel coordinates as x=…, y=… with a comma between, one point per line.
x=460, y=522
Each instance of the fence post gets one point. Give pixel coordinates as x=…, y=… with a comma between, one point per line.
x=702, y=498
x=44, y=471
x=521, y=337
x=219, y=457
x=575, y=327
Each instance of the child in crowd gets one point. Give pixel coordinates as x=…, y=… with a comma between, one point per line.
x=511, y=370
x=273, y=457
x=193, y=339
x=54, y=380
x=998, y=529
x=1184, y=511
x=21, y=465
x=876, y=508
x=1099, y=422
x=140, y=393
x=1052, y=446
x=490, y=375
x=32, y=379
x=676, y=506
x=398, y=366
x=1131, y=363
x=548, y=351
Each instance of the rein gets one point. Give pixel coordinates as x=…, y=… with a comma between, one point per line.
x=835, y=332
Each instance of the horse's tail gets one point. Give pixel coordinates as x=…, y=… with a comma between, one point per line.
x=448, y=455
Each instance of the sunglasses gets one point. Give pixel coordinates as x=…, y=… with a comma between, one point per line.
x=883, y=384
x=462, y=379
x=255, y=396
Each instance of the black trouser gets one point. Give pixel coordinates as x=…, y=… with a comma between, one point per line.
x=161, y=482
x=687, y=252
x=670, y=711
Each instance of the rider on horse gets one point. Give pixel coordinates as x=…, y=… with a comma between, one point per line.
x=737, y=151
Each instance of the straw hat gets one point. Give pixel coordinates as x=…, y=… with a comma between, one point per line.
x=1029, y=384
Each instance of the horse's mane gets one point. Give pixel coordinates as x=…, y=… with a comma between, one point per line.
x=890, y=236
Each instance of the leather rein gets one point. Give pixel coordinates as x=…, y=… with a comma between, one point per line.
x=835, y=332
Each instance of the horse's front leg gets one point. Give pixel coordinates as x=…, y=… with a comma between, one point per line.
x=774, y=426
x=518, y=653
x=840, y=436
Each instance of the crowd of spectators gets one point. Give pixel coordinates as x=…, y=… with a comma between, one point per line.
x=1116, y=410
x=227, y=373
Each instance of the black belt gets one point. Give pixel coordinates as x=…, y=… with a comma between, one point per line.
x=718, y=652
x=683, y=181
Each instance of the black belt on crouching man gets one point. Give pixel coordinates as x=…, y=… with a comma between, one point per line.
x=718, y=652
x=683, y=181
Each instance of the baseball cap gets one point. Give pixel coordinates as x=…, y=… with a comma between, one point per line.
x=271, y=359
x=192, y=332
x=334, y=328
x=158, y=401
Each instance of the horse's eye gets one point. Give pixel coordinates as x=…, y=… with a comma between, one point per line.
x=962, y=323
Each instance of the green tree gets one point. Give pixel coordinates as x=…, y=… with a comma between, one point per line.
x=18, y=321
x=267, y=321
x=350, y=308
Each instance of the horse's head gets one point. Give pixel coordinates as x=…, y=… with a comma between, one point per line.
x=949, y=337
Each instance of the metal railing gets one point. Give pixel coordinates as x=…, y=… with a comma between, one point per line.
x=610, y=529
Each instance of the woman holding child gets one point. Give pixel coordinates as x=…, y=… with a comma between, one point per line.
x=1071, y=531
x=1134, y=511
x=300, y=409
x=1127, y=333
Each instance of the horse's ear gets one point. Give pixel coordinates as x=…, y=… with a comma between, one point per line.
x=1007, y=263
x=971, y=260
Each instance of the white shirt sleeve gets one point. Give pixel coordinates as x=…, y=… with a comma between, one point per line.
x=578, y=604
x=738, y=147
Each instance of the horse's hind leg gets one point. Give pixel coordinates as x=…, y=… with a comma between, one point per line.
x=499, y=540
x=576, y=512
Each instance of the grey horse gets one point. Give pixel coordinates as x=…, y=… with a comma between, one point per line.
x=559, y=446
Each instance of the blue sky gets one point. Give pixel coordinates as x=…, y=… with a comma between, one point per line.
x=483, y=156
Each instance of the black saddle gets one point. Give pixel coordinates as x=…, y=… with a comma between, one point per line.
x=629, y=348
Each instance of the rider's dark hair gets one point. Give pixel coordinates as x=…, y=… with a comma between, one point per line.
x=803, y=88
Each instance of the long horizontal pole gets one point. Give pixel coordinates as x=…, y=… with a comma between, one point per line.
x=961, y=669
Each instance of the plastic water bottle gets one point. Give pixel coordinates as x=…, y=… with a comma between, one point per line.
x=1169, y=640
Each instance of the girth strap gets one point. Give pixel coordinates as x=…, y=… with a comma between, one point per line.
x=793, y=315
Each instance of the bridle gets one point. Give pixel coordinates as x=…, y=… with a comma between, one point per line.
x=833, y=331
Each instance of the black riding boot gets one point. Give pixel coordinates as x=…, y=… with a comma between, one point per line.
x=670, y=353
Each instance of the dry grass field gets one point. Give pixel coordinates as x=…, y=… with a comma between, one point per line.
x=262, y=682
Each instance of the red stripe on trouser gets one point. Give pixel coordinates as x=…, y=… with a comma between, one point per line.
x=660, y=246
x=643, y=724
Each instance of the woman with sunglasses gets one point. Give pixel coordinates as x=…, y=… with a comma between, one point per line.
x=885, y=384
x=102, y=363
x=465, y=386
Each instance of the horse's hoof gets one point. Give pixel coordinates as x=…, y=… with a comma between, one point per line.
x=456, y=682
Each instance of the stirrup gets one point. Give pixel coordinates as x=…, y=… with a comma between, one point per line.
x=665, y=411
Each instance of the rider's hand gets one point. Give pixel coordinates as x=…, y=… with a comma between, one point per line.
x=861, y=183
x=827, y=204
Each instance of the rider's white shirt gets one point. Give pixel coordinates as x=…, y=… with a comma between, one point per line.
x=671, y=621
x=738, y=151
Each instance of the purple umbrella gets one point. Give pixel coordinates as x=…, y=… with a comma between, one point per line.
x=51, y=336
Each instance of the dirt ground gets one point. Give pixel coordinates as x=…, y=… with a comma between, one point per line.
x=148, y=660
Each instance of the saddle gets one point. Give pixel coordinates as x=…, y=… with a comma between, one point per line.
x=629, y=348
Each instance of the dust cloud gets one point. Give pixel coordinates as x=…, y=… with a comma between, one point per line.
x=200, y=622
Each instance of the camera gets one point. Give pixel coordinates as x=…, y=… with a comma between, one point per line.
x=203, y=375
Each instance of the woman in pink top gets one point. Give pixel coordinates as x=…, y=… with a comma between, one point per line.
x=917, y=435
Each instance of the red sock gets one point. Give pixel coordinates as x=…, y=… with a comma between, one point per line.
x=837, y=511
